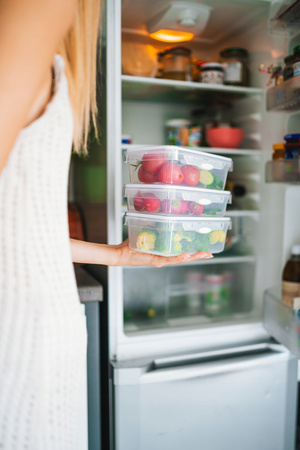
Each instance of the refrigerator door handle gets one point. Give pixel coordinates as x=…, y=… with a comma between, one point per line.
x=214, y=365
x=215, y=354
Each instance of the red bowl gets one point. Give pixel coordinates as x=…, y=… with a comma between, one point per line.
x=224, y=137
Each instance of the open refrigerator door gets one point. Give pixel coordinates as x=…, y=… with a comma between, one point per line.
x=206, y=306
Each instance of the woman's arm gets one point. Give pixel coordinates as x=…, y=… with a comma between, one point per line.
x=122, y=255
x=30, y=33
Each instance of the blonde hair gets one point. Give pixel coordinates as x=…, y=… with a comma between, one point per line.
x=79, y=50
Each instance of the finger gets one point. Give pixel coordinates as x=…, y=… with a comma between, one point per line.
x=160, y=261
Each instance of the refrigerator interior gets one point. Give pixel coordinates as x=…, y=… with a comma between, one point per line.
x=145, y=319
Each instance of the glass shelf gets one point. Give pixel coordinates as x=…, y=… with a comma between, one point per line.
x=285, y=97
x=280, y=322
x=185, y=92
x=285, y=171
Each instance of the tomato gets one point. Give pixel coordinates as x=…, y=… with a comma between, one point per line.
x=170, y=173
x=152, y=162
x=195, y=208
x=151, y=202
x=191, y=175
x=146, y=177
x=138, y=202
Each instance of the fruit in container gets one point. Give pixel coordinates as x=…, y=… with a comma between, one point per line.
x=146, y=177
x=169, y=164
x=151, y=203
x=146, y=240
x=138, y=202
x=175, y=206
x=191, y=175
x=152, y=162
x=170, y=173
x=195, y=208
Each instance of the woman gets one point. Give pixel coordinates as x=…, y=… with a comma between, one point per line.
x=45, y=105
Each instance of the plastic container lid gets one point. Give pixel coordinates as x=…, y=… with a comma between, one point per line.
x=279, y=146
x=172, y=187
x=162, y=218
x=291, y=136
x=296, y=250
x=212, y=66
x=178, y=123
x=174, y=149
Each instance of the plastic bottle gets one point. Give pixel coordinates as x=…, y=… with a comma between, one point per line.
x=291, y=277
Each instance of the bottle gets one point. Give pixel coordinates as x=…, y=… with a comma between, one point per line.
x=291, y=277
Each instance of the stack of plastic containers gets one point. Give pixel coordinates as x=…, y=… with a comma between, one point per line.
x=175, y=200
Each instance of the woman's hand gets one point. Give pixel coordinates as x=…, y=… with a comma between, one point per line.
x=130, y=257
x=122, y=255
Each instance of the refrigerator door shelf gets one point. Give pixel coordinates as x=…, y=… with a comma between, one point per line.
x=280, y=322
x=176, y=402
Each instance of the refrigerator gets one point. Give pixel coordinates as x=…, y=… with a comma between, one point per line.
x=175, y=374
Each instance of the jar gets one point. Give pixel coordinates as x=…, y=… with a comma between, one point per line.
x=176, y=63
x=212, y=73
x=296, y=61
x=235, y=63
x=178, y=132
x=292, y=146
x=288, y=69
x=278, y=152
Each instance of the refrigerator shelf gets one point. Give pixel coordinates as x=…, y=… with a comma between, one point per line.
x=185, y=92
x=280, y=322
x=218, y=151
x=285, y=171
x=285, y=97
x=232, y=259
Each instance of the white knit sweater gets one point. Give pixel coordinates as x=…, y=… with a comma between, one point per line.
x=42, y=325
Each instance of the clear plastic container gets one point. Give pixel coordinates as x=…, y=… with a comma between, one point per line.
x=176, y=200
x=169, y=164
x=173, y=235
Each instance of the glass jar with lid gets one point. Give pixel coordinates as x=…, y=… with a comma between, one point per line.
x=235, y=63
x=212, y=73
x=176, y=63
x=278, y=151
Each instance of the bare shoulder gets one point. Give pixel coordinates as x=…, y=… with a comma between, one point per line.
x=57, y=13
x=30, y=34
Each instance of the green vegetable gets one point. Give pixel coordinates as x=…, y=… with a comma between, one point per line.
x=146, y=240
x=206, y=177
x=161, y=243
x=217, y=184
x=176, y=247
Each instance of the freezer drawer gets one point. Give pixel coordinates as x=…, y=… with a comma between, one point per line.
x=242, y=398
